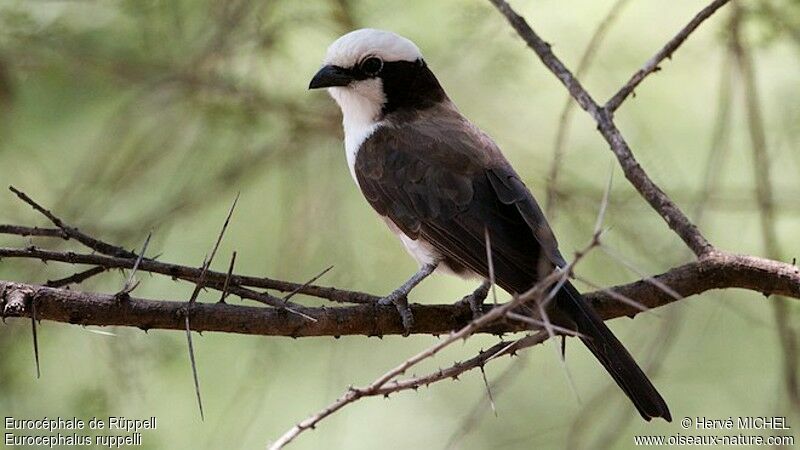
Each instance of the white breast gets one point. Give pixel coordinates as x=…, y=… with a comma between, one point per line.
x=361, y=105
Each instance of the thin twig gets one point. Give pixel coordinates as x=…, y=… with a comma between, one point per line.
x=130, y=285
x=72, y=232
x=541, y=324
x=652, y=280
x=500, y=384
x=548, y=285
x=270, y=300
x=76, y=278
x=498, y=350
x=311, y=280
x=601, y=213
x=551, y=334
x=224, y=294
x=33, y=231
x=657, y=198
x=614, y=295
x=719, y=148
x=116, y=258
x=666, y=52
x=194, y=367
x=353, y=394
x=490, y=261
x=199, y=286
x=35, y=337
x=488, y=390
x=223, y=229
x=566, y=111
x=214, y=280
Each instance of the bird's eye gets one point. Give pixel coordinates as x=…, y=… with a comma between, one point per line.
x=372, y=66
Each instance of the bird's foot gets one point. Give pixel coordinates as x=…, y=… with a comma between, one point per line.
x=476, y=298
x=399, y=299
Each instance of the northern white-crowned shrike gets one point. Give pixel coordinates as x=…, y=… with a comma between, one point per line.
x=442, y=185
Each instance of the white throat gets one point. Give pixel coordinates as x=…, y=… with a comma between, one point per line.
x=361, y=105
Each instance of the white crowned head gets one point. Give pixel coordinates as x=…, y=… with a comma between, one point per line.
x=370, y=72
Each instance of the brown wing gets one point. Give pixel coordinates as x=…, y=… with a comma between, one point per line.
x=442, y=180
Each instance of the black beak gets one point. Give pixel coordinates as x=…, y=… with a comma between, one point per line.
x=330, y=76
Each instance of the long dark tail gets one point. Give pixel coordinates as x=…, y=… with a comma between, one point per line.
x=612, y=355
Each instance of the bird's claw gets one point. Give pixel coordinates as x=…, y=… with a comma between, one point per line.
x=400, y=301
x=474, y=304
x=475, y=300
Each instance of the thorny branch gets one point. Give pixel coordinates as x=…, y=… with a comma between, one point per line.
x=656, y=197
x=716, y=271
x=387, y=383
x=713, y=269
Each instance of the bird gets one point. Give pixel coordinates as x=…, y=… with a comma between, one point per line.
x=447, y=191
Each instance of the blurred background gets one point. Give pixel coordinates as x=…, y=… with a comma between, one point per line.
x=132, y=116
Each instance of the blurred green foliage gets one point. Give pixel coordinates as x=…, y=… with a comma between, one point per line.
x=136, y=115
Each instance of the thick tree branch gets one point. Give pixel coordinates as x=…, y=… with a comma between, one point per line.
x=715, y=271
